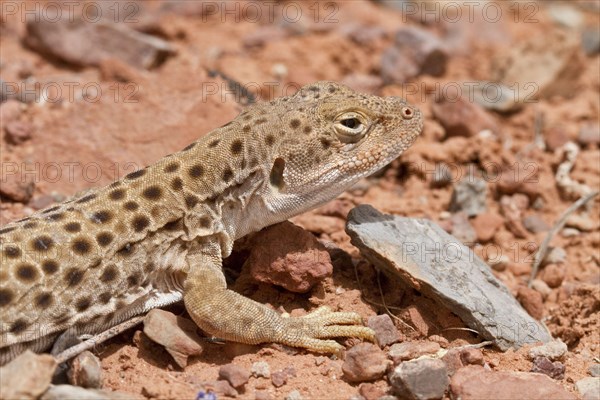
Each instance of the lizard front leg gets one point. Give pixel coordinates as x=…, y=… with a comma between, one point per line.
x=226, y=314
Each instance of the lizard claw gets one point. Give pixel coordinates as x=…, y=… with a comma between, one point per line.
x=314, y=330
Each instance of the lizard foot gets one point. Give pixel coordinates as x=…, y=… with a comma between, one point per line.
x=312, y=330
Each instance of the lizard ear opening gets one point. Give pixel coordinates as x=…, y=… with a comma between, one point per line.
x=276, y=177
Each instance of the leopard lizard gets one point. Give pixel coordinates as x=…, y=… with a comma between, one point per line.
x=159, y=234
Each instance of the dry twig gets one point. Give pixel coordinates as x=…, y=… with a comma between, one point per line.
x=539, y=255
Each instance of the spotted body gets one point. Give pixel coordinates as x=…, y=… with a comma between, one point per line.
x=158, y=235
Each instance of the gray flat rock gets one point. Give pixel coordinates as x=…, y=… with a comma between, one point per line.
x=435, y=263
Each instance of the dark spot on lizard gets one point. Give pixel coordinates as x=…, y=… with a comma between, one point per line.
x=72, y=227
x=6, y=230
x=117, y=194
x=131, y=206
x=136, y=174
x=227, y=174
x=27, y=273
x=11, y=251
x=152, y=193
x=236, y=147
x=139, y=223
x=6, y=296
x=172, y=167
x=42, y=243
x=176, y=184
x=87, y=198
x=196, y=171
x=81, y=246
x=104, y=238
x=83, y=304
x=189, y=146
x=44, y=300
x=191, y=201
x=105, y=297
x=101, y=217
x=18, y=326
x=49, y=266
x=73, y=277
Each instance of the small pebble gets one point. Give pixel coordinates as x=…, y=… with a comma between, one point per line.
x=385, y=330
x=589, y=388
x=424, y=378
x=261, y=369
x=554, y=350
x=555, y=370
x=471, y=356
x=556, y=255
x=294, y=395
x=570, y=232
x=236, y=375
x=86, y=371
x=409, y=350
x=364, y=362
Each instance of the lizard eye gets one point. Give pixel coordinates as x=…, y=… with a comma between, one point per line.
x=350, y=122
x=350, y=127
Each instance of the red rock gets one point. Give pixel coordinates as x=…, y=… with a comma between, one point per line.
x=453, y=361
x=557, y=75
x=70, y=39
x=519, y=268
x=462, y=229
x=287, y=255
x=364, y=362
x=512, y=208
x=555, y=137
x=18, y=132
x=486, y=225
x=16, y=187
x=421, y=379
x=460, y=117
x=385, y=330
x=532, y=301
x=471, y=356
x=264, y=35
x=363, y=83
x=476, y=383
x=42, y=201
x=535, y=224
x=280, y=378
x=415, y=51
x=220, y=388
x=319, y=223
x=236, y=375
x=364, y=35
x=521, y=178
x=409, y=350
x=555, y=370
x=177, y=334
x=370, y=391
x=27, y=376
x=416, y=319
x=10, y=111
x=589, y=134
x=86, y=371
x=469, y=196
x=553, y=275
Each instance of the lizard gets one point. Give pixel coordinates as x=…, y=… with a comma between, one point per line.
x=158, y=235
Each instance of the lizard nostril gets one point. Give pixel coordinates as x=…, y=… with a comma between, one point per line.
x=407, y=112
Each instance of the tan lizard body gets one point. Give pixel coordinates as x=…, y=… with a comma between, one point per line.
x=159, y=234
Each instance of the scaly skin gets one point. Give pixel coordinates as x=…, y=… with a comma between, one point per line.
x=159, y=234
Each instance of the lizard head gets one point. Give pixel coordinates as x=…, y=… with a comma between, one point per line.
x=334, y=137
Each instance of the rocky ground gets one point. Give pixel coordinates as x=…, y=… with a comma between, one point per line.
x=512, y=140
